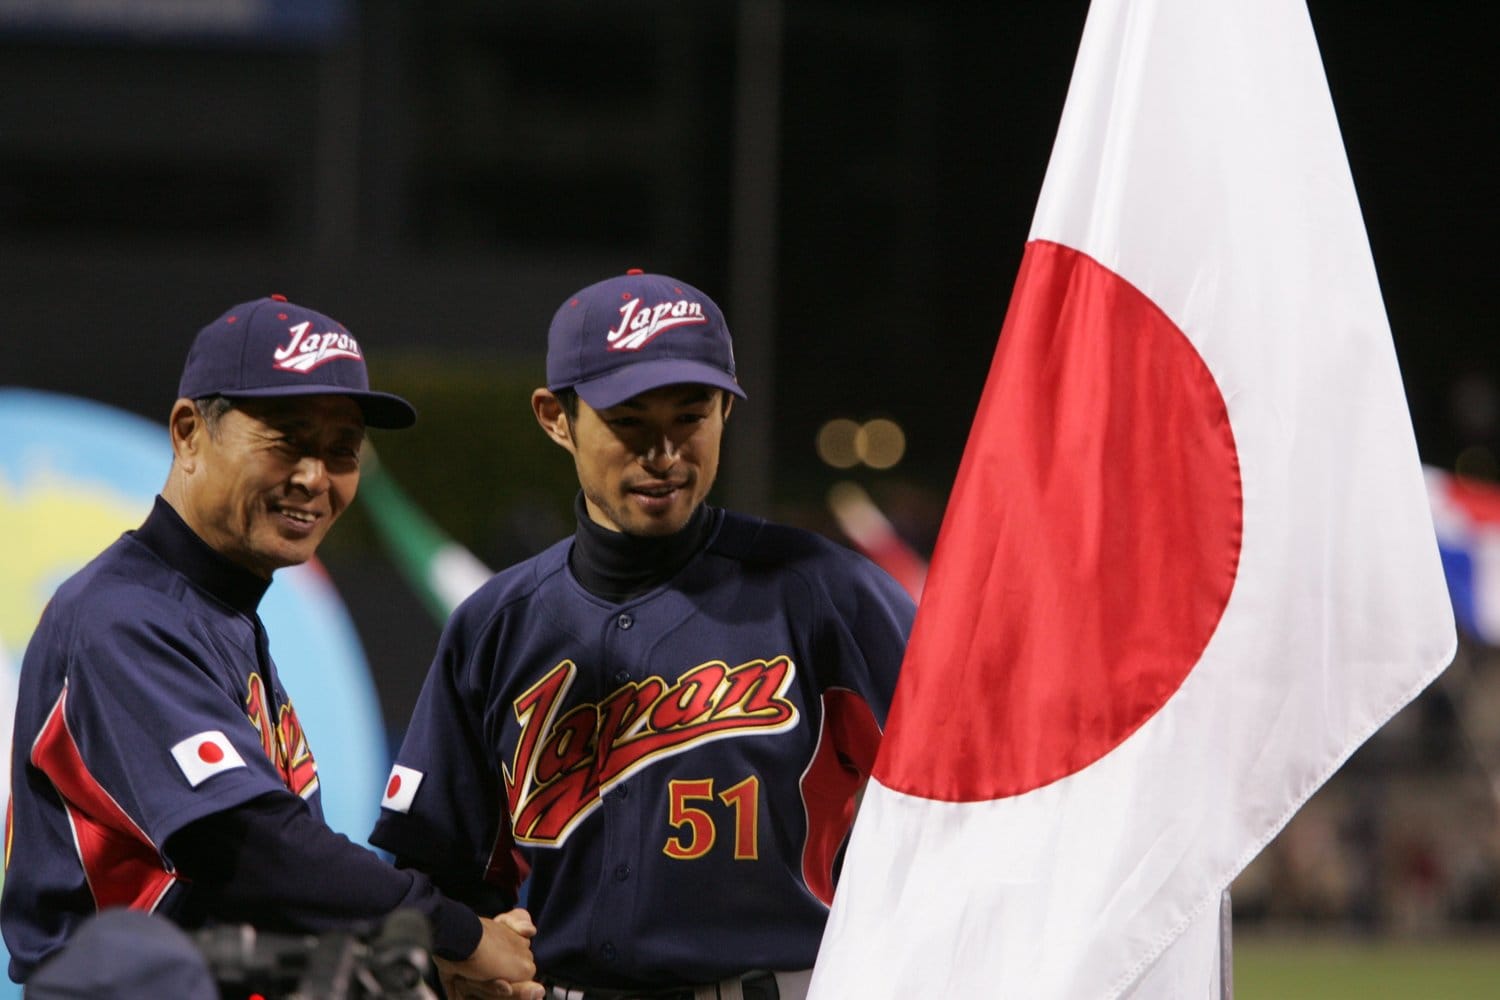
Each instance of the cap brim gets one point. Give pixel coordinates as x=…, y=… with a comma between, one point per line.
x=382, y=410
x=614, y=388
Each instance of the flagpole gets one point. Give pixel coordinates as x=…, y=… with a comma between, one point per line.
x=1226, y=948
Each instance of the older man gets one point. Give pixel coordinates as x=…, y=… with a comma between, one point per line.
x=159, y=764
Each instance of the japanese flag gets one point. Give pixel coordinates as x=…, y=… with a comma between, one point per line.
x=401, y=788
x=1188, y=564
x=205, y=755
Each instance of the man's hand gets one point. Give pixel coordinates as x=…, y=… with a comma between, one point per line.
x=501, y=966
x=459, y=988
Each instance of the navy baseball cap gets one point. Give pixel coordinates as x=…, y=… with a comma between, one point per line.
x=624, y=336
x=127, y=955
x=271, y=347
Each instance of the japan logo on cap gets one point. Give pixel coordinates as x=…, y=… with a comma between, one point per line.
x=401, y=788
x=205, y=755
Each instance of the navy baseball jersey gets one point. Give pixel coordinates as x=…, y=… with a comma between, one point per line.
x=675, y=774
x=147, y=700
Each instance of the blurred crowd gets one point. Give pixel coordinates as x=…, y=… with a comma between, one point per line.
x=1405, y=838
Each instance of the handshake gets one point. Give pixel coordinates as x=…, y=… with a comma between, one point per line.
x=392, y=964
x=501, y=967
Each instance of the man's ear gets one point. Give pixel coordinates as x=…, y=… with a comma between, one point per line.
x=728, y=405
x=187, y=431
x=553, y=419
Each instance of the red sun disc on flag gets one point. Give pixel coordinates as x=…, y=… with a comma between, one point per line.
x=210, y=752
x=393, y=786
x=1090, y=545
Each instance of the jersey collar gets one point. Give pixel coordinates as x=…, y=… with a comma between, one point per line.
x=167, y=535
x=619, y=567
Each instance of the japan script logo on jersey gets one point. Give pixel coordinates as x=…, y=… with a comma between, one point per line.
x=566, y=760
x=205, y=755
x=401, y=788
x=639, y=326
x=285, y=743
x=307, y=351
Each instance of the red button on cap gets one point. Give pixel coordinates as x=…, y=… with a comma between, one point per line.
x=278, y=298
x=635, y=270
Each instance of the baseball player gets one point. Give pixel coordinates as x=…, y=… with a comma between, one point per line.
x=660, y=723
x=159, y=764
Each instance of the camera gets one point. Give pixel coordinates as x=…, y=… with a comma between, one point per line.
x=392, y=963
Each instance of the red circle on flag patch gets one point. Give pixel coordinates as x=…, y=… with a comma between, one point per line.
x=1089, y=548
x=393, y=786
x=210, y=752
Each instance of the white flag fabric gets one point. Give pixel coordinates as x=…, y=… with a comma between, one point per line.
x=1188, y=564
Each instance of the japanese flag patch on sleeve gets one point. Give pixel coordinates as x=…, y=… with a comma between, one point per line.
x=205, y=755
x=401, y=788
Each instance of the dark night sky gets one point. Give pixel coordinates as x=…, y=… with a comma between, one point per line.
x=1415, y=89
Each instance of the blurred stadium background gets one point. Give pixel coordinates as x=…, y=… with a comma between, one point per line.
x=853, y=183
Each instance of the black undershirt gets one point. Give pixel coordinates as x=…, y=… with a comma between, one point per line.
x=617, y=567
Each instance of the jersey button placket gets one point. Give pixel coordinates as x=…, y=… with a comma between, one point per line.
x=623, y=828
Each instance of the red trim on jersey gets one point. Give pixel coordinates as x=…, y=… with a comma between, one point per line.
x=121, y=864
x=845, y=755
x=507, y=867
